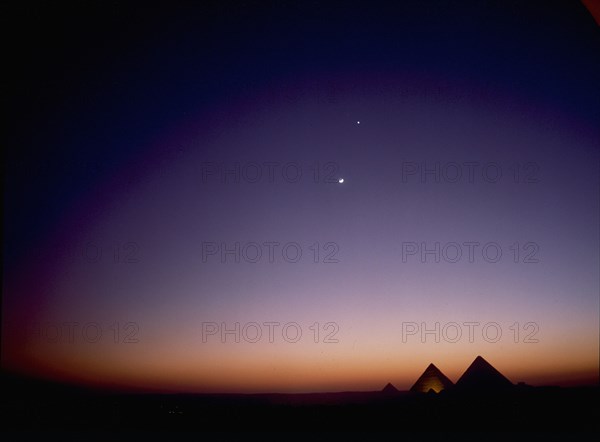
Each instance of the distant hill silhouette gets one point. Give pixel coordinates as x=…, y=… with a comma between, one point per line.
x=481, y=375
x=432, y=379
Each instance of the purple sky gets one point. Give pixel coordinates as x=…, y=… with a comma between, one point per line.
x=132, y=186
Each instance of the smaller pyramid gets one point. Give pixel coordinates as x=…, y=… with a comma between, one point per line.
x=389, y=389
x=432, y=379
x=482, y=376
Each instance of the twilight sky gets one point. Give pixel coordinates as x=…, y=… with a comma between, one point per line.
x=173, y=172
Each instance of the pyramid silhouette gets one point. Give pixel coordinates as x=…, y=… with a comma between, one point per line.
x=432, y=379
x=482, y=376
x=389, y=389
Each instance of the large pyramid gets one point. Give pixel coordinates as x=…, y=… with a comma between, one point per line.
x=432, y=379
x=482, y=376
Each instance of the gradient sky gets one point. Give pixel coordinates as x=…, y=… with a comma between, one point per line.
x=119, y=112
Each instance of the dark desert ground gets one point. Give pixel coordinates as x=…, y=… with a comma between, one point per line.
x=37, y=407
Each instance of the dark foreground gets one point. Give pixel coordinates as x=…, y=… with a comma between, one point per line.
x=36, y=406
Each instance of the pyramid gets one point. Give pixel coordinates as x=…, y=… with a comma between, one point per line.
x=482, y=376
x=389, y=389
x=432, y=379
